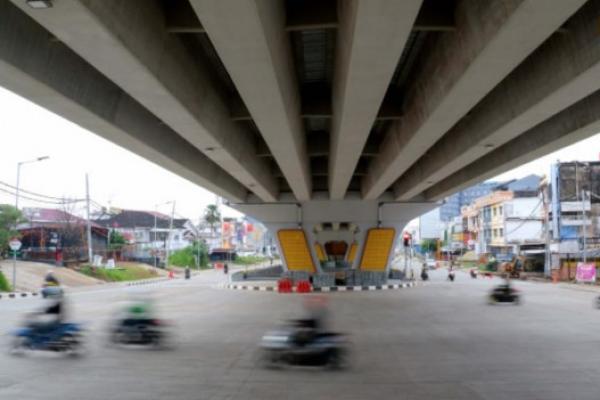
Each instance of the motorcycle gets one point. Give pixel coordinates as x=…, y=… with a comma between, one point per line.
x=451, y=276
x=424, y=275
x=473, y=274
x=146, y=332
x=61, y=337
x=299, y=347
x=504, y=294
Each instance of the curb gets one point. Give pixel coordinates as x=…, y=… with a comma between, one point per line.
x=325, y=288
x=148, y=281
x=17, y=295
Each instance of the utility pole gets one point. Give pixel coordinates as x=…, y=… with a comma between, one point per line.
x=169, y=236
x=89, y=222
x=583, y=222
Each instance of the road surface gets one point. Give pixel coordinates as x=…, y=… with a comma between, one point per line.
x=436, y=341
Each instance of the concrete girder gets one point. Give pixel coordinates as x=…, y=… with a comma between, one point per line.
x=251, y=40
x=128, y=42
x=490, y=40
x=51, y=75
x=565, y=69
x=373, y=29
x=571, y=125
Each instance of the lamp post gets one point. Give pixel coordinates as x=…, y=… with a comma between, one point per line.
x=17, y=208
x=19, y=175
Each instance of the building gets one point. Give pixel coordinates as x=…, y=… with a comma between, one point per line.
x=57, y=236
x=504, y=221
x=573, y=207
x=148, y=233
x=453, y=204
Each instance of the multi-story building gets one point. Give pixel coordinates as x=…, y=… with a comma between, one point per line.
x=503, y=221
x=573, y=206
x=453, y=204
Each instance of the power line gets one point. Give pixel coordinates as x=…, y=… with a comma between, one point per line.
x=526, y=219
x=31, y=193
x=63, y=202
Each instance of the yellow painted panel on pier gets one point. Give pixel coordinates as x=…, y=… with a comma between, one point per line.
x=377, y=249
x=295, y=250
x=320, y=252
x=352, y=252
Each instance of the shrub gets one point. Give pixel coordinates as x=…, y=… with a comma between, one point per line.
x=186, y=257
x=4, y=285
x=249, y=260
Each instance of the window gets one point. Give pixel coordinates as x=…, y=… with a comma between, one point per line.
x=500, y=210
x=501, y=232
x=495, y=233
x=494, y=211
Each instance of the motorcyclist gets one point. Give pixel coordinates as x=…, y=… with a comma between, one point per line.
x=308, y=328
x=52, y=314
x=139, y=311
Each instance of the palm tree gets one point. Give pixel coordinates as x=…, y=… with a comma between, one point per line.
x=212, y=216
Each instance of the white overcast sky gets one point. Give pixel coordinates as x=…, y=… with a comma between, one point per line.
x=120, y=177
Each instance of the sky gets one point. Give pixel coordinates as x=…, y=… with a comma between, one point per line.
x=122, y=179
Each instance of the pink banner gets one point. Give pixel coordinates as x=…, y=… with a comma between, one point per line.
x=586, y=272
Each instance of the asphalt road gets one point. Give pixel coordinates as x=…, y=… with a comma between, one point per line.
x=440, y=340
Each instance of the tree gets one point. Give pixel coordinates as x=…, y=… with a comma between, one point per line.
x=116, y=241
x=429, y=245
x=9, y=218
x=212, y=216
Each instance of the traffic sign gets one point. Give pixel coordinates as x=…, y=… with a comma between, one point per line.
x=15, y=244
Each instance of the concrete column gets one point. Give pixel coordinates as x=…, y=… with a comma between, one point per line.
x=563, y=70
x=491, y=39
x=128, y=42
x=251, y=40
x=571, y=125
x=369, y=30
x=51, y=75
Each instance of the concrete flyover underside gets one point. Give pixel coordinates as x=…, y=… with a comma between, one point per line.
x=344, y=104
x=437, y=341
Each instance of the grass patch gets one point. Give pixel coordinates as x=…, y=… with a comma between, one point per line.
x=249, y=260
x=120, y=273
x=4, y=285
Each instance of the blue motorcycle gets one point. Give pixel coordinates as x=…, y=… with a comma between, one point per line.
x=61, y=338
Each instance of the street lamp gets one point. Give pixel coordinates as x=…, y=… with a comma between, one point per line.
x=19, y=175
x=169, y=233
x=17, y=208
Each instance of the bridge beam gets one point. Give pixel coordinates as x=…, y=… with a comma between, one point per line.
x=54, y=77
x=369, y=30
x=490, y=40
x=575, y=123
x=251, y=40
x=565, y=69
x=128, y=42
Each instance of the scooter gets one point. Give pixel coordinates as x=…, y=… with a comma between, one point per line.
x=63, y=338
x=296, y=346
x=504, y=294
x=140, y=331
x=473, y=274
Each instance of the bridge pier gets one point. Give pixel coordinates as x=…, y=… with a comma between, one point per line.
x=333, y=239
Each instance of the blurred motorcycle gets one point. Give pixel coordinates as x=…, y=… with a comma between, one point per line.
x=298, y=344
x=137, y=331
x=504, y=294
x=473, y=274
x=451, y=276
x=62, y=337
